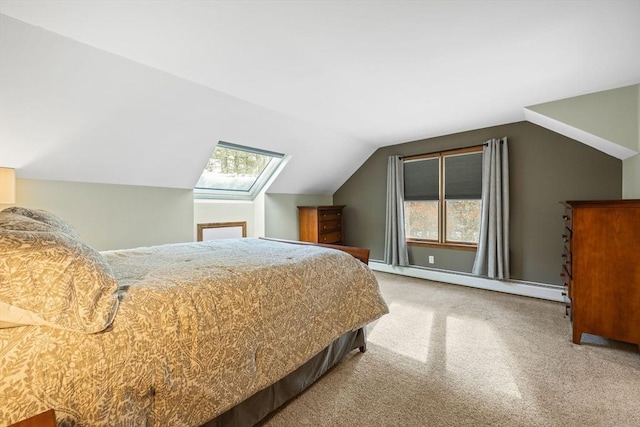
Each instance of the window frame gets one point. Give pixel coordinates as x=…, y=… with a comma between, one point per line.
x=442, y=206
x=269, y=173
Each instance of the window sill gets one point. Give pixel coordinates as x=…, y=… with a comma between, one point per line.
x=453, y=246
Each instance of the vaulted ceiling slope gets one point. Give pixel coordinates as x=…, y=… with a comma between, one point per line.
x=75, y=113
x=608, y=120
x=139, y=92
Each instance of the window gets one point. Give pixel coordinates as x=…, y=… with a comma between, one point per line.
x=236, y=172
x=443, y=197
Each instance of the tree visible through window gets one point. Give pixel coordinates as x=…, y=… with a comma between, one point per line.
x=443, y=197
x=235, y=171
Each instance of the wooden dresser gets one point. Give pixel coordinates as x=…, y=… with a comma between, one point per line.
x=320, y=224
x=601, y=268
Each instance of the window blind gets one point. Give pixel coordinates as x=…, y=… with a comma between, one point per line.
x=421, y=179
x=463, y=176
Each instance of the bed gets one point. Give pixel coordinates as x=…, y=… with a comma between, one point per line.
x=209, y=333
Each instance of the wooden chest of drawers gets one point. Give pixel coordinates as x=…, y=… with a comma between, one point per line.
x=320, y=224
x=601, y=268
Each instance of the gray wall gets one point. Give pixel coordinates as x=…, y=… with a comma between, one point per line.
x=281, y=212
x=111, y=216
x=631, y=177
x=545, y=168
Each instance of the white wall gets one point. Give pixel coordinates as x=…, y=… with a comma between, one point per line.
x=207, y=211
x=71, y=112
x=269, y=215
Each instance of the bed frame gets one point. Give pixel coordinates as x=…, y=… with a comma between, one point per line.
x=360, y=253
x=258, y=407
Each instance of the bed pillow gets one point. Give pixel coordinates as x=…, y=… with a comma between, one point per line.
x=49, y=278
x=11, y=221
x=45, y=217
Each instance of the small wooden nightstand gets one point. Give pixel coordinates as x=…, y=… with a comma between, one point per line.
x=320, y=224
x=45, y=419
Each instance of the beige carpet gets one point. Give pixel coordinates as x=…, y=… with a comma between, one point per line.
x=448, y=355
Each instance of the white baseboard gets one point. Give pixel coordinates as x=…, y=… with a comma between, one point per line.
x=516, y=287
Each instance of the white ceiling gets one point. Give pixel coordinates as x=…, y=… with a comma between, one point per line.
x=368, y=73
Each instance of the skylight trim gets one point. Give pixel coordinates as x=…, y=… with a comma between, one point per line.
x=275, y=164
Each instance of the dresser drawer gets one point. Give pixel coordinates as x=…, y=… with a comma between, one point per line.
x=333, y=237
x=329, y=215
x=327, y=226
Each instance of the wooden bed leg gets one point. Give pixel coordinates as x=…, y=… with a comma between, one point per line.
x=363, y=348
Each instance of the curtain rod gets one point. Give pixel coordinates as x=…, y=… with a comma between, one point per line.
x=501, y=140
x=443, y=151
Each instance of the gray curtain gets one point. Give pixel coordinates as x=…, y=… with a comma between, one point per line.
x=395, y=242
x=492, y=257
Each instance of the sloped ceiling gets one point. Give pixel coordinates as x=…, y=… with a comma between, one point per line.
x=139, y=92
x=607, y=120
x=75, y=113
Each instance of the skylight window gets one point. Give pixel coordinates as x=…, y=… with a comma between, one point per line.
x=236, y=172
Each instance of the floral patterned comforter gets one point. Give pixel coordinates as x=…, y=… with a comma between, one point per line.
x=200, y=327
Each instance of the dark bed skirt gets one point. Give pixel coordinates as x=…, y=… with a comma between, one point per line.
x=256, y=408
